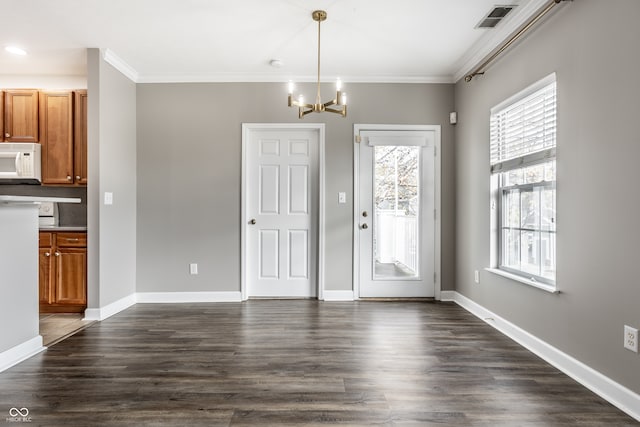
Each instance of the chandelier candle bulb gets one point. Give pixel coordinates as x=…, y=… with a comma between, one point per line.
x=291, y=87
x=339, y=85
x=344, y=99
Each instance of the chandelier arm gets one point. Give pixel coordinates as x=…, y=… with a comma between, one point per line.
x=330, y=103
x=342, y=111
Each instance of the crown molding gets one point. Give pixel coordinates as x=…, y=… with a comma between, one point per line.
x=493, y=38
x=272, y=78
x=119, y=64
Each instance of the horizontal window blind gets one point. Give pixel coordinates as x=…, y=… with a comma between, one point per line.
x=523, y=128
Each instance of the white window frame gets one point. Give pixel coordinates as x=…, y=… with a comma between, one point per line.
x=525, y=159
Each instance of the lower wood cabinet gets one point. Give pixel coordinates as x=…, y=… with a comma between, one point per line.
x=63, y=272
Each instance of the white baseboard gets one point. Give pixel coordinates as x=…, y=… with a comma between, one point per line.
x=615, y=393
x=337, y=295
x=185, y=297
x=21, y=352
x=110, y=309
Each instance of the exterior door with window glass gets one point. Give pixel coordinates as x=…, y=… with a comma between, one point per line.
x=396, y=224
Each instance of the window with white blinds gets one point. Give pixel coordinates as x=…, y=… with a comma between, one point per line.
x=523, y=180
x=523, y=130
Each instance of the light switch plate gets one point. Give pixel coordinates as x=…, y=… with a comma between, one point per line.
x=342, y=197
x=108, y=198
x=193, y=268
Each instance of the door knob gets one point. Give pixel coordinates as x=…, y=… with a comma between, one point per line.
x=364, y=214
x=364, y=226
x=252, y=222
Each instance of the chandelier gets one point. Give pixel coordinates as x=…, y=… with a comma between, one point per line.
x=340, y=100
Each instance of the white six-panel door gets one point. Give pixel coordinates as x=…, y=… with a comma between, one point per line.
x=281, y=212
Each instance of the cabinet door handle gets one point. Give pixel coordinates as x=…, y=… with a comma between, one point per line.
x=68, y=177
x=73, y=240
x=57, y=253
x=47, y=254
x=77, y=177
x=7, y=135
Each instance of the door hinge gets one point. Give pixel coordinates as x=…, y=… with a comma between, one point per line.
x=435, y=215
x=358, y=139
x=435, y=277
x=435, y=151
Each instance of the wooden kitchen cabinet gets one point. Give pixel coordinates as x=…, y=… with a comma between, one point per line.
x=20, y=115
x=56, y=137
x=80, y=137
x=1, y=116
x=63, y=272
x=63, y=135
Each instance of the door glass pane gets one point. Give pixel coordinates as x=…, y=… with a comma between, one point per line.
x=396, y=212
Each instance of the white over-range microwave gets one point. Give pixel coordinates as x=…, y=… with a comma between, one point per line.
x=20, y=163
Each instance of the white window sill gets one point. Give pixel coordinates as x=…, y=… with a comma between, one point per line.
x=548, y=288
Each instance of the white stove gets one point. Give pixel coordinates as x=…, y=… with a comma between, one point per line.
x=48, y=214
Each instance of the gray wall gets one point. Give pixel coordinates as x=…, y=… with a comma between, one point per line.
x=596, y=61
x=189, y=172
x=112, y=167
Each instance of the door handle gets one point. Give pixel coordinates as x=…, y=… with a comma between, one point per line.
x=252, y=222
x=364, y=214
x=364, y=226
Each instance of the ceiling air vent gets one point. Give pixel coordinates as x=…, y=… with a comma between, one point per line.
x=495, y=15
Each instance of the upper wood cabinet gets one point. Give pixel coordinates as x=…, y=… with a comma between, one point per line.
x=63, y=135
x=80, y=136
x=1, y=116
x=56, y=137
x=21, y=115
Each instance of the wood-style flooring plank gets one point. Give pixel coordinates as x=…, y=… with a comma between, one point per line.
x=297, y=362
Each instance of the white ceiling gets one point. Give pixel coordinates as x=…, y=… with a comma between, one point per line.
x=234, y=40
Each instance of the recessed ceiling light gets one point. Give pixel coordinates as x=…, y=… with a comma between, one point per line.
x=15, y=50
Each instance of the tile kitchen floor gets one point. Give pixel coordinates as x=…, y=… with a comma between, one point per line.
x=56, y=327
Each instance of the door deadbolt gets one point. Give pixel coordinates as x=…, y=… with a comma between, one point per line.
x=364, y=214
x=364, y=226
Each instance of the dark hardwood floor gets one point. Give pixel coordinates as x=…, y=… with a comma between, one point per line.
x=296, y=362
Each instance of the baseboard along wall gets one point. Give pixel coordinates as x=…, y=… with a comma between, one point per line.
x=613, y=392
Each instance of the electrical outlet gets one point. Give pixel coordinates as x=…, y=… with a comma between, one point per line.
x=631, y=338
x=476, y=276
x=193, y=268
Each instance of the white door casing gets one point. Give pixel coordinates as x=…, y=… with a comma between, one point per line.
x=375, y=274
x=281, y=207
